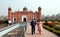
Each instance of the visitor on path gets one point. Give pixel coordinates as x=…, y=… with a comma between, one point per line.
x=39, y=25
x=33, y=24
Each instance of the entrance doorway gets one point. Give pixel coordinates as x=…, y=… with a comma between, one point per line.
x=14, y=19
x=24, y=19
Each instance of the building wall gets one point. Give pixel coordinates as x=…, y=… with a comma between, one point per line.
x=19, y=14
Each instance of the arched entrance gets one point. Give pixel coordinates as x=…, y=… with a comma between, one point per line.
x=24, y=18
x=14, y=19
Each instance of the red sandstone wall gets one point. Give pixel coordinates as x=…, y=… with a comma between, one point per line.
x=19, y=15
x=31, y=15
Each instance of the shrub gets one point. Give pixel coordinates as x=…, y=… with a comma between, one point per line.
x=57, y=27
x=1, y=21
x=50, y=23
x=49, y=28
x=57, y=32
x=46, y=26
x=52, y=29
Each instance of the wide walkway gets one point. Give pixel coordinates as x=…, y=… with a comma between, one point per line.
x=45, y=33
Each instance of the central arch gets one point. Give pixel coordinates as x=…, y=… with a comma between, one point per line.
x=24, y=18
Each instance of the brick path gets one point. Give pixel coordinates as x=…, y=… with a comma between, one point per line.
x=45, y=33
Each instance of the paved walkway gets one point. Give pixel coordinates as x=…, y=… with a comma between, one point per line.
x=45, y=33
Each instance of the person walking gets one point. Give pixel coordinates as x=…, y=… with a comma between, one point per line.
x=39, y=26
x=33, y=24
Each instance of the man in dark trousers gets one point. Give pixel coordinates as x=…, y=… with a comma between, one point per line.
x=33, y=24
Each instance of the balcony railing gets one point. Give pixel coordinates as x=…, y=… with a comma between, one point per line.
x=16, y=30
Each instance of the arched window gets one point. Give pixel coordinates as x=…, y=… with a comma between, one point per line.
x=14, y=19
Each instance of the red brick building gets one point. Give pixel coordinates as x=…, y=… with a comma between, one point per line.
x=25, y=15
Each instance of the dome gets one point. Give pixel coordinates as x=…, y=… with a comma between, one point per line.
x=24, y=9
x=9, y=8
x=39, y=8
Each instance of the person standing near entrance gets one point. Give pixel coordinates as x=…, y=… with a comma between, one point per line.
x=33, y=24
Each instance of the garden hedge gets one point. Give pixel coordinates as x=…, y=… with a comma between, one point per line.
x=52, y=30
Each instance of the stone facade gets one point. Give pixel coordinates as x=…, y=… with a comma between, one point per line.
x=25, y=15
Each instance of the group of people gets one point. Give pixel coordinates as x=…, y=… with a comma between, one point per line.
x=35, y=23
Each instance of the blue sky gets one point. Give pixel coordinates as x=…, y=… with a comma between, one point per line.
x=49, y=7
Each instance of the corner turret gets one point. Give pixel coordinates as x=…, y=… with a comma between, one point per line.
x=39, y=13
x=39, y=9
x=9, y=9
x=25, y=9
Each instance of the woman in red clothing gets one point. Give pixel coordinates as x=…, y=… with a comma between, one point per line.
x=39, y=26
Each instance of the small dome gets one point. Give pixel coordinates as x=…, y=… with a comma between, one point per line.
x=9, y=8
x=39, y=8
x=24, y=8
